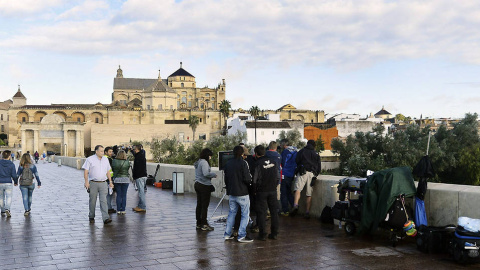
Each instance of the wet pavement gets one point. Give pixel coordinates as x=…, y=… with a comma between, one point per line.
x=58, y=235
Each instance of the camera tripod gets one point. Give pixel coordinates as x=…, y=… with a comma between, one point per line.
x=222, y=218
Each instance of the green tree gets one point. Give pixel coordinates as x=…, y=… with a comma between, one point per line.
x=193, y=122
x=293, y=136
x=255, y=112
x=319, y=144
x=2, y=143
x=400, y=117
x=225, y=107
x=469, y=163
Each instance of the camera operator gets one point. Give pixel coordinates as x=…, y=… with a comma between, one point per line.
x=265, y=180
x=308, y=168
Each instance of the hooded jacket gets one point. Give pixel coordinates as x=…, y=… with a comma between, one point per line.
x=203, y=174
x=237, y=177
x=266, y=176
x=309, y=159
x=139, y=165
x=7, y=172
x=288, y=161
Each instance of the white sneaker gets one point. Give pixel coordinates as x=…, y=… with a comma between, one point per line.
x=245, y=240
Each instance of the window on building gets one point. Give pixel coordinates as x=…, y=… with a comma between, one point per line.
x=212, y=98
x=213, y=106
x=189, y=104
x=207, y=95
x=190, y=97
x=148, y=107
x=2, y=117
x=182, y=85
x=160, y=106
x=200, y=120
x=203, y=137
x=171, y=107
x=184, y=93
x=273, y=132
x=23, y=119
x=3, y=128
x=178, y=104
x=201, y=106
x=184, y=100
x=97, y=120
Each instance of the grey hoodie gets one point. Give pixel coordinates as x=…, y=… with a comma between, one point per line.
x=202, y=172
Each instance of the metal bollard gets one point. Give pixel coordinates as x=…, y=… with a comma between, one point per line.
x=59, y=162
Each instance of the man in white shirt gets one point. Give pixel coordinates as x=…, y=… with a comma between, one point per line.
x=97, y=171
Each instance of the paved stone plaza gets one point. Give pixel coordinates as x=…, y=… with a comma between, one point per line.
x=58, y=235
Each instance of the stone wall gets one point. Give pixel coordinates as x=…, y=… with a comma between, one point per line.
x=444, y=203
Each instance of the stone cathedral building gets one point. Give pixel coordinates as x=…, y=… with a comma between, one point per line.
x=140, y=110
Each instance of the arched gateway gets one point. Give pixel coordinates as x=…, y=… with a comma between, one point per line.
x=53, y=134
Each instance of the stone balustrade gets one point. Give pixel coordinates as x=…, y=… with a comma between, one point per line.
x=444, y=203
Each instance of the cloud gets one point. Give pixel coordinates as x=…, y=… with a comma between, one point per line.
x=25, y=7
x=345, y=34
x=87, y=8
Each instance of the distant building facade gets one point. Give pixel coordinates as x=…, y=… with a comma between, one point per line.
x=140, y=110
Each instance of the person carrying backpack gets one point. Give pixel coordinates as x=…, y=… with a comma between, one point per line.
x=26, y=172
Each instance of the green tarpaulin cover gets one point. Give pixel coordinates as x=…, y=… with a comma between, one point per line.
x=380, y=192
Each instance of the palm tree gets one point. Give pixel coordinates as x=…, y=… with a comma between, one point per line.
x=193, y=122
x=255, y=111
x=225, y=107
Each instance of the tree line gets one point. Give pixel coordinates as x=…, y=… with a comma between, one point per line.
x=454, y=151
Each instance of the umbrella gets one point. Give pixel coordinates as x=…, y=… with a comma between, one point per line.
x=424, y=170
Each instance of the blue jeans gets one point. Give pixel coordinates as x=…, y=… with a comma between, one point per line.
x=121, y=189
x=27, y=192
x=5, y=196
x=142, y=203
x=286, y=195
x=235, y=202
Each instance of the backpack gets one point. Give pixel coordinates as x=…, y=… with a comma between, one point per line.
x=26, y=179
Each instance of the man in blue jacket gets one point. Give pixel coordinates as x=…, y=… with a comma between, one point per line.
x=7, y=174
x=289, y=166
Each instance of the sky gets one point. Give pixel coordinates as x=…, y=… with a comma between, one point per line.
x=351, y=56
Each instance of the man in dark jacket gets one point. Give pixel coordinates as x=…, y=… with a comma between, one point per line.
x=308, y=168
x=266, y=180
x=139, y=174
x=108, y=154
x=237, y=180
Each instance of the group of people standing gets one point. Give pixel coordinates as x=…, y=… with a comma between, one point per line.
x=105, y=176
x=252, y=181
x=23, y=176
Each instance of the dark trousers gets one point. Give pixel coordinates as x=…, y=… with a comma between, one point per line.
x=264, y=200
x=286, y=195
x=203, y=200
